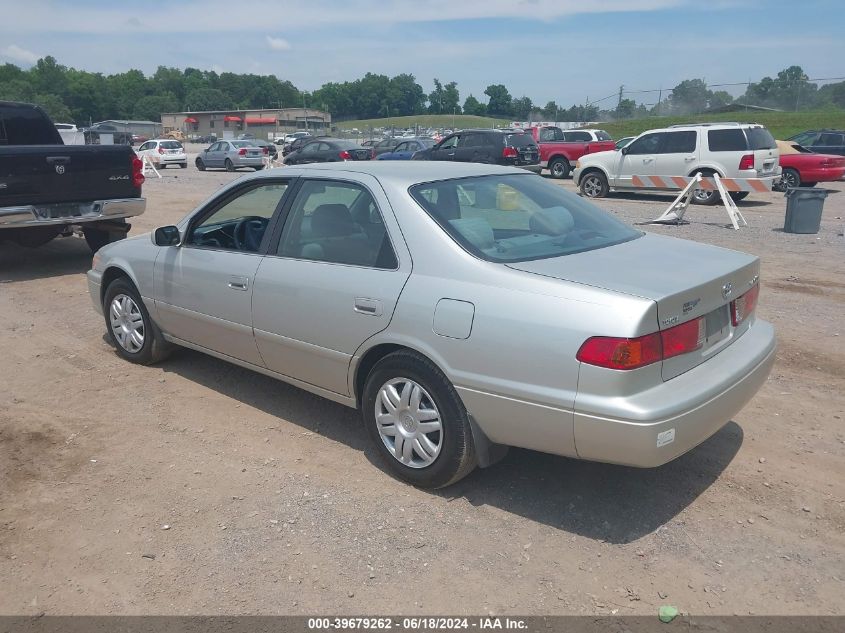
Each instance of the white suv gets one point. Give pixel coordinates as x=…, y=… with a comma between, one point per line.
x=732, y=150
x=164, y=152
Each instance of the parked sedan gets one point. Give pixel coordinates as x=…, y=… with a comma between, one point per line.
x=522, y=321
x=407, y=148
x=270, y=148
x=163, y=152
x=328, y=150
x=496, y=147
x=231, y=155
x=803, y=168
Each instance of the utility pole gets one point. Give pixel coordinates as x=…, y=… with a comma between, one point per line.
x=659, y=99
x=619, y=103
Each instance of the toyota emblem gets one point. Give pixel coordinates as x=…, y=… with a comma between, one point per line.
x=727, y=289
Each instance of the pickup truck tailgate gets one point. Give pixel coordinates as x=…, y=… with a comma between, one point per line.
x=46, y=174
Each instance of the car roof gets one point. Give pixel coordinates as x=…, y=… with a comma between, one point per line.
x=402, y=173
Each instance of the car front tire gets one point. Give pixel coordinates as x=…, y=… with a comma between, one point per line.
x=130, y=329
x=230, y=166
x=417, y=421
x=594, y=185
x=200, y=165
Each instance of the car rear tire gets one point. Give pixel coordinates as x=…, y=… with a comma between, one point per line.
x=790, y=178
x=200, y=165
x=560, y=168
x=96, y=238
x=129, y=326
x=594, y=185
x=704, y=197
x=409, y=407
x=229, y=165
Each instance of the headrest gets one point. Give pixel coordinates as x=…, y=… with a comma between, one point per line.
x=447, y=206
x=332, y=220
x=551, y=221
x=476, y=231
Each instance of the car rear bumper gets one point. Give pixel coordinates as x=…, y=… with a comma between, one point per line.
x=70, y=213
x=660, y=424
x=249, y=162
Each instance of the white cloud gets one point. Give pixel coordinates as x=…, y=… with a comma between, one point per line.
x=18, y=54
x=200, y=16
x=277, y=43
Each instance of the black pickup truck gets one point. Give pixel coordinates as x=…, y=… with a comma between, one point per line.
x=49, y=189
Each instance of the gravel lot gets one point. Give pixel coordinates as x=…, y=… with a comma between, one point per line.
x=199, y=487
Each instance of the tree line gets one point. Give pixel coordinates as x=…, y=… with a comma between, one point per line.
x=80, y=96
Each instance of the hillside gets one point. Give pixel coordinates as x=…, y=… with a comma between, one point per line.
x=446, y=121
x=781, y=124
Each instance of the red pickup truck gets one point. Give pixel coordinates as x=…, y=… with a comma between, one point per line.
x=560, y=149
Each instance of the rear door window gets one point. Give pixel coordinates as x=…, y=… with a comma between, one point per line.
x=678, y=142
x=827, y=139
x=519, y=140
x=21, y=125
x=732, y=140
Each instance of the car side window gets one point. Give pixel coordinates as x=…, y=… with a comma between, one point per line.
x=450, y=143
x=471, y=140
x=240, y=223
x=829, y=139
x=402, y=147
x=310, y=148
x=339, y=223
x=578, y=136
x=647, y=144
x=678, y=142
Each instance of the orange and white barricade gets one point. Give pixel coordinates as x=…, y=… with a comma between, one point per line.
x=689, y=184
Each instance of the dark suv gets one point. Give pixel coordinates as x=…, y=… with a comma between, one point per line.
x=513, y=148
x=822, y=141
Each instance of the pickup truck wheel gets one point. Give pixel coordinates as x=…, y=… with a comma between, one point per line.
x=96, y=238
x=130, y=328
x=200, y=165
x=594, y=185
x=229, y=165
x=417, y=422
x=559, y=168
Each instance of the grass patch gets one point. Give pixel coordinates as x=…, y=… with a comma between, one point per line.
x=447, y=121
x=780, y=124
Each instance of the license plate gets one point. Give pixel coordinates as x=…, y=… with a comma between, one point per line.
x=716, y=325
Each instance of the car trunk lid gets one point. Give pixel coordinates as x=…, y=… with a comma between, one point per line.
x=687, y=280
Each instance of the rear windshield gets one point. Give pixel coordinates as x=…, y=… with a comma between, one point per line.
x=601, y=135
x=519, y=140
x=349, y=144
x=516, y=217
x=240, y=144
x=170, y=145
x=24, y=125
x=760, y=138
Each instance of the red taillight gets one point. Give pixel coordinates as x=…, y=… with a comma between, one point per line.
x=137, y=171
x=633, y=353
x=160, y=151
x=265, y=150
x=684, y=338
x=242, y=151
x=510, y=152
x=744, y=305
x=344, y=155
x=621, y=353
x=747, y=162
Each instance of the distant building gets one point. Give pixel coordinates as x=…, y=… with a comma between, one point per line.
x=263, y=124
x=148, y=129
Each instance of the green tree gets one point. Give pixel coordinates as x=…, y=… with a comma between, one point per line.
x=689, y=96
x=405, y=96
x=550, y=111
x=57, y=110
x=521, y=108
x=720, y=98
x=149, y=108
x=500, y=101
x=474, y=106
x=208, y=99
x=625, y=109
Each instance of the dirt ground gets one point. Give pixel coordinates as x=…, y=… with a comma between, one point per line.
x=275, y=503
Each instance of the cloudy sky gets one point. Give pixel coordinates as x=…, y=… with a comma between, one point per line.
x=566, y=50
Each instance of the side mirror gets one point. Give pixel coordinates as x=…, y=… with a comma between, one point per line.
x=166, y=236
x=624, y=151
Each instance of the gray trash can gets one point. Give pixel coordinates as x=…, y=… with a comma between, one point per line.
x=804, y=209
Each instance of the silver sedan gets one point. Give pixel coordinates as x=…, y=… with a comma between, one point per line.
x=462, y=308
x=230, y=155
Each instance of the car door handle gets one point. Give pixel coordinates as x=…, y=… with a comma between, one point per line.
x=450, y=154
x=371, y=307
x=239, y=283
x=689, y=159
x=647, y=160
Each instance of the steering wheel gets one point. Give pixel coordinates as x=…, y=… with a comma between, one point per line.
x=248, y=233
